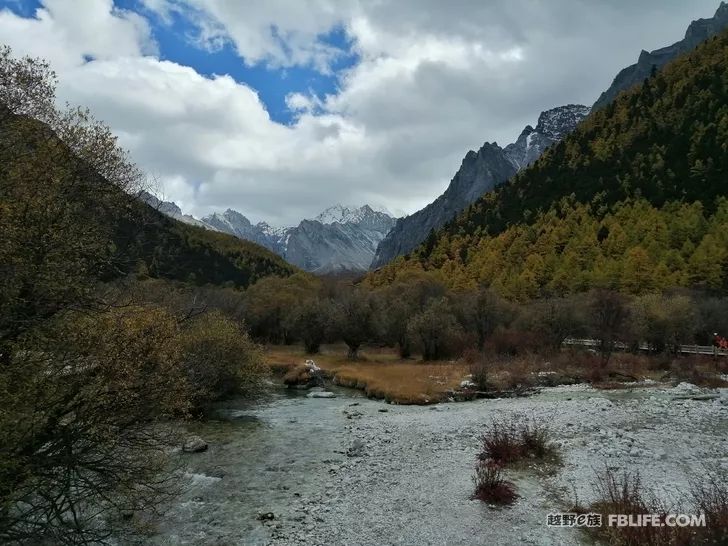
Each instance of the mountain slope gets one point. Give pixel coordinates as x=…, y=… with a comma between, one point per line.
x=479, y=173
x=339, y=239
x=697, y=32
x=236, y=224
x=138, y=238
x=611, y=204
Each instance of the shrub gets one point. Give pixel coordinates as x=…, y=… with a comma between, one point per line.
x=501, y=443
x=479, y=372
x=535, y=439
x=626, y=494
x=509, y=441
x=220, y=359
x=515, y=342
x=491, y=486
x=711, y=498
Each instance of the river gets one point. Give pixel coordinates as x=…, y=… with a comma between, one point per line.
x=353, y=471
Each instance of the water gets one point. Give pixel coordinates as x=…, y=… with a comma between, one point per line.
x=260, y=458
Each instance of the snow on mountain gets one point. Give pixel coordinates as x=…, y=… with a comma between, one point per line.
x=553, y=125
x=341, y=238
x=479, y=173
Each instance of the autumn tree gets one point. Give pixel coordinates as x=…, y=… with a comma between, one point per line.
x=664, y=322
x=481, y=312
x=355, y=319
x=557, y=319
x=88, y=383
x=435, y=330
x=608, y=315
x=409, y=294
x=311, y=321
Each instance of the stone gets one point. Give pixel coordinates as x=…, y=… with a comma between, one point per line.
x=266, y=516
x=194, y=444
x=356, y=449
x=321, y=394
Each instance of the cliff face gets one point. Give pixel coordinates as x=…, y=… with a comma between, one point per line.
x=479, y=173
x=697, y=32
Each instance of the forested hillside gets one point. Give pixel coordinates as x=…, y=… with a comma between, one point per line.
x=637, y=186
x=96, y=359
x=46, y=187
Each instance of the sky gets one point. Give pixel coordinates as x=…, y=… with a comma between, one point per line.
x=281, y=108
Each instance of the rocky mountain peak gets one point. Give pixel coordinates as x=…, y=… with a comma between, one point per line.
x=479, y=173
x=698, y=31
x=558, y=122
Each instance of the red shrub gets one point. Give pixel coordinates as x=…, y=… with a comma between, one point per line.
x=491, y=486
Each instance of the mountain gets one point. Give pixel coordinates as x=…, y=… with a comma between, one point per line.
x=697, y=32
x=479, y=173
x=138, y=239
x=340, y=239
x=236, y=224
x=169, y=208
x=634, y=199
x=552, y=126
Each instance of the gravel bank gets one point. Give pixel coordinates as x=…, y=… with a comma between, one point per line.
x=360, y=472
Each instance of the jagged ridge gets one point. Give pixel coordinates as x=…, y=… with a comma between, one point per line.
x=479, y=173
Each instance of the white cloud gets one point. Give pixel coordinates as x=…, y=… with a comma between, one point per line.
x=65, y=32
x=433, y=80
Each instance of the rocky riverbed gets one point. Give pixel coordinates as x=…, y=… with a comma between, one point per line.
x=353, y=471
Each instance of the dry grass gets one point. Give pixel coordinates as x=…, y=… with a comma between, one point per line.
x=379, y=372
x=491, y=485
x=511, y=440
x=382, y=374
x=626, y=494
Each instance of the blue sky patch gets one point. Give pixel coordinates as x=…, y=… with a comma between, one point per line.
x=176, y=43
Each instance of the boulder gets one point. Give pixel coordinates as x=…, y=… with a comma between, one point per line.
x=304, y=376
x=194, y=444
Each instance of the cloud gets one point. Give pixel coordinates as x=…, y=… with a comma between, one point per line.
x=67, y=32
x=431, y=81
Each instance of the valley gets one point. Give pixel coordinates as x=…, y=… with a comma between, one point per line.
x=409, y=479
x=534, y=356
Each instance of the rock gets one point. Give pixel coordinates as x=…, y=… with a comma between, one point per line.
x=686, y=388
x=356, y=449
x=383, y=410
x=304, y=376
x=266, y=516
x=194, y=444
x=480, y=172
x=321, y=394
x=600, y=403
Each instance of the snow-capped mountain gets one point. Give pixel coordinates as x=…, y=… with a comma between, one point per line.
x=234, y=223
x=170, y=209
x=341, y=238
x=479, y=173
x=552, y=126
